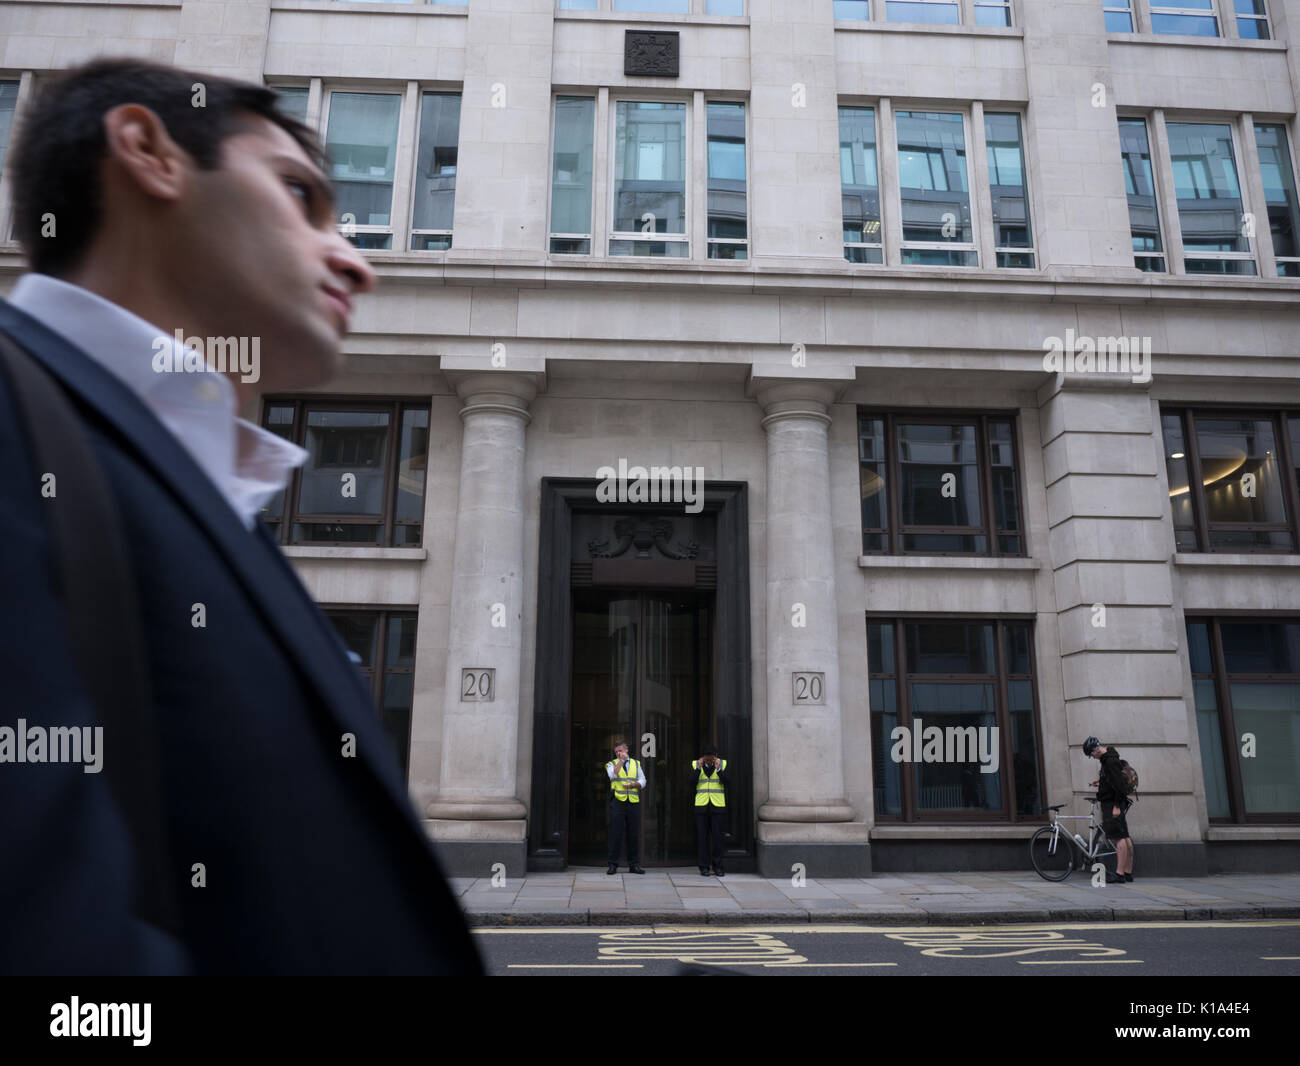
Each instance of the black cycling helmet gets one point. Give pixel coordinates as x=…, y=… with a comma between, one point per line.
x=1089, y=744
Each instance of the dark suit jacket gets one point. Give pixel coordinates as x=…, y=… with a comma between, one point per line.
x=315, y=863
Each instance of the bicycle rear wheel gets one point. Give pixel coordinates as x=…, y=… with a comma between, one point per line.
x=1052, y=854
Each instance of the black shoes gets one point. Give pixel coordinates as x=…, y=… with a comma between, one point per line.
x=636, y=869
x=719, y=870
x=1127, y=877
x=704, y=871
x=612, y=869
x=1118, y=879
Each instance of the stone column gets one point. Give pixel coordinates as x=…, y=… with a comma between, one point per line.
x=806, y=818
x=477, y=817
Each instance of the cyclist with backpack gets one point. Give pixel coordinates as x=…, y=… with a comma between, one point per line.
x=1115, y=782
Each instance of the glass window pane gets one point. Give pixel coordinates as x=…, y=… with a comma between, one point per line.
x=932, y=173
x=666, y=7
x=1261, y=647
x=278, y=420
x=1024, y=748
x=650, y=169
x=852, y=9
x=1240, y=470
x=1006, y=498
x=571, y=174
x=725, y=7
x=292, y=102
x=1213, y=767
x=344, y=473
x=859, y=181
x=1209, y=195
x=1017, y=639
x=1166, y=17
x=949, y=648
x=886, y=772
x=966, y=715
x=992, y=14
x=362, y=144
x=726, y=143
x=1008, y=187
x=946, y=13
x=413, y=461
x=1279, y=188
x=435, y=175
x=1143, y=213
x=880, y=648
x=1198, y=647
x=1180, y=494
x=871, y=476
x=940, y=475
x=1270, y=782
x=359, y=631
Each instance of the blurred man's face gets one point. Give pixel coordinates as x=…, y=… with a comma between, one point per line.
x=261, y=242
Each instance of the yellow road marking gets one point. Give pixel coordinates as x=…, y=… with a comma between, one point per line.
x=577, y=930
x=1281, y=958
x=575, y=966
x=1075, y=962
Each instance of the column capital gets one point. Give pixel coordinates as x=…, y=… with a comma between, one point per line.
x=496, y=391
x=797, y=396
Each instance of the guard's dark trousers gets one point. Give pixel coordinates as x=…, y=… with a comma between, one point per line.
x=624, y=817
x=710, y=821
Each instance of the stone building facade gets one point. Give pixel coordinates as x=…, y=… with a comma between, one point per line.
x=980, y=323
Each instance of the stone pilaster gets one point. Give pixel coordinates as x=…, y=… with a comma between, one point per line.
x=806, y=818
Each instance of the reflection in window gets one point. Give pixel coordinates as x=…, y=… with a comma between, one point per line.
x=650, y=179
x=571, y=175
x=1191, y=17
x=1008, y=190
x=1252, y=20
x=435, y=174
x=362, y=144
x=1118, y=15
x=1210, y=209
x=1246, y=676
x=935, y=196
x=728, y=227
x=1280, y=196
x=292, y=102
x=944, y=12
x=992, y=13
x=1143, y=213
x=860, y=185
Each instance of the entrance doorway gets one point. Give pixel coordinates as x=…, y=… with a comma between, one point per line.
x=642, y=672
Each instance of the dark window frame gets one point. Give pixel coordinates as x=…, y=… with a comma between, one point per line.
x=1280, y=417
x=376, y=675
x=895, y=532
x=1001, y=680
x=1222, y=681
x=396, y=409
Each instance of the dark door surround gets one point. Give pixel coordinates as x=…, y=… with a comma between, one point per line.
x=561, y=499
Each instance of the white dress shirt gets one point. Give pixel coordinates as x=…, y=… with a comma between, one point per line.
x=247, y=464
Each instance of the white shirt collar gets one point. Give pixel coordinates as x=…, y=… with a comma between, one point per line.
x=246, y=463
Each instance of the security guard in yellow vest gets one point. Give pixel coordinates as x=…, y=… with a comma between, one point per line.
x=710, y=810
x=626, y=780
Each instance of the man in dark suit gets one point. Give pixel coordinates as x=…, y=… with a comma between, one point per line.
x=279, y=837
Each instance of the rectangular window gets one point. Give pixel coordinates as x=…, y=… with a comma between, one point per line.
x=1118, y=15
x=728, y=220
x=1194, y=18
x=1252, y=20
x=1246, y=677
x=382, y=645
x=361, y=139
x=860, y=185
x=663, y=7
x=724, y=7
x=650, y=167
x=363, y=482
x=1280, y=196
x=571, y=175
x=1008, y=190
x=1143, y=213
x=293, y=101
x=855, y=10
x=954, y=723
x=937, y=229
x=1232, y=486
x=934, y=485
x=944, y=12
x=1210, y=206
x=992, y=13
x=435, y=173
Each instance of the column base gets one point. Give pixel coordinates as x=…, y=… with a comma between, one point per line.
x=479, y=848
x=818, y=860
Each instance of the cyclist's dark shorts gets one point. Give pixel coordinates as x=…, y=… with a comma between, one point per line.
x=1115, y=828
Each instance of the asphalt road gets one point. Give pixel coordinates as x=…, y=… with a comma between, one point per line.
x=1131, y=949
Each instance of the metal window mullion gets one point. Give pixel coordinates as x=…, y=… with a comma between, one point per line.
x=985, y=459
x=894, y=471
x=1200, y=517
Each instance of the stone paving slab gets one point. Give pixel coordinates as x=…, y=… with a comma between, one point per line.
x=681, y=897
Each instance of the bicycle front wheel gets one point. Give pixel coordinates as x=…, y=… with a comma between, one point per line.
x=1052, y=854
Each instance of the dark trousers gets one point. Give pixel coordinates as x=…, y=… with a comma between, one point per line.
x=710, y=821
x=624, y=817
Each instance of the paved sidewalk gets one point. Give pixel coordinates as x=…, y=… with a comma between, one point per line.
x=590, y=897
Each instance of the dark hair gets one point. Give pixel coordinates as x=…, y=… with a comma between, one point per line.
x=60, y=143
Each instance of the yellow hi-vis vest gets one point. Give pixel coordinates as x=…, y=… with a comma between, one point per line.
x=623, y=792
x=708, y=789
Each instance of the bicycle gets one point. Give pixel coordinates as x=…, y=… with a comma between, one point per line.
x=1055, y=851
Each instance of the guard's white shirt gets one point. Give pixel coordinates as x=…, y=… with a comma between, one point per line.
x=246, y=463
